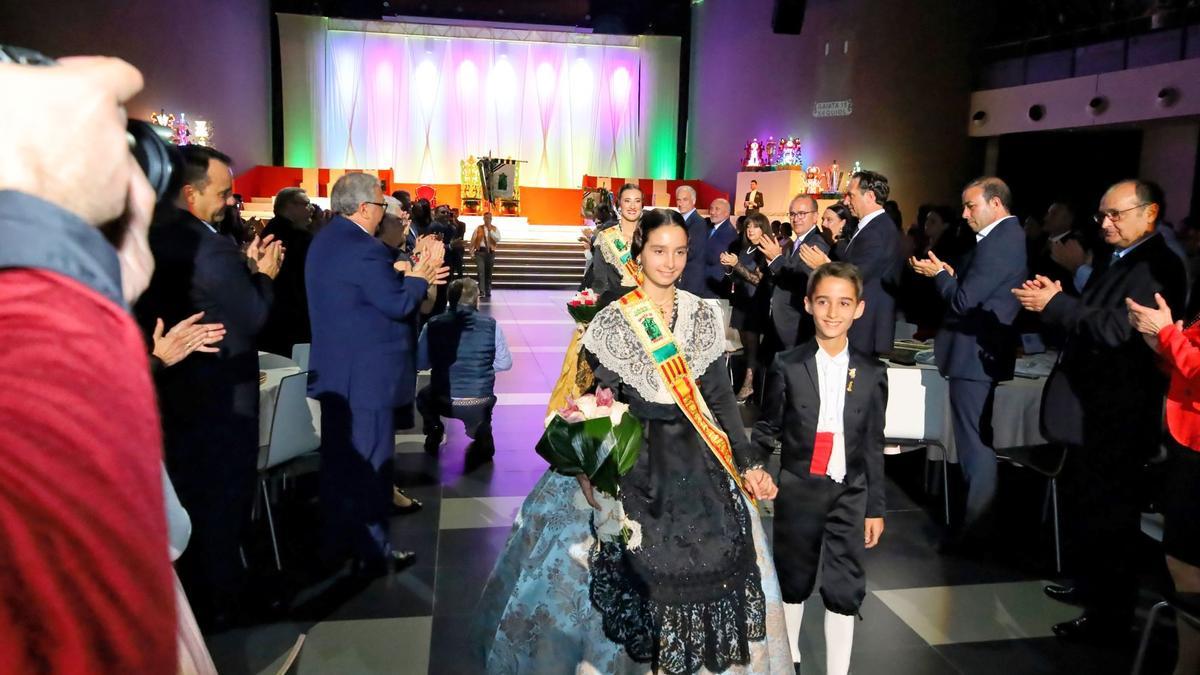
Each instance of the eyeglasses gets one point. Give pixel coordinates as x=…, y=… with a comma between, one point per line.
x=382, y=205
x=793, y=214
x=1115, y=216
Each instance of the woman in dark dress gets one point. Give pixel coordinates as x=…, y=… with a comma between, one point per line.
x=751, y=298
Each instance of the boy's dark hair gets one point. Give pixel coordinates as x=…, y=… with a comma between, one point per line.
x=837, y=270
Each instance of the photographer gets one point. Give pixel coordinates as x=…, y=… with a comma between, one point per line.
x=86, y=573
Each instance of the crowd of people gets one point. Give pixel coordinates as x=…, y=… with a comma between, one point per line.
x=132, y=328
x=1103, y=293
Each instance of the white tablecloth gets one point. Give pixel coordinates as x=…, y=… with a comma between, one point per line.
x=919, y=408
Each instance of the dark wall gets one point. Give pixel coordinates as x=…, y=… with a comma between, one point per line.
x=208, y=59
x=905, y=67
x=1075, y=166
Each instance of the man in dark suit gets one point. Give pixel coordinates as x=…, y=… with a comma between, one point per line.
x=976, y=346
x=288, y=322
x=694, y=279
x=1057, y=224
x=790, y=273
x=210, y=401
x=874, y=249
x=361, y=367
x=754, y=198
x=721, y=237
x=1104, y=401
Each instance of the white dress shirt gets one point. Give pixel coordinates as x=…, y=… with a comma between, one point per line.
x=832, y=373
x=987, y=230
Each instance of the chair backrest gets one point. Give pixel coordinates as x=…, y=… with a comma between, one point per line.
x=427, y=192
x=269, y=361
x=292, y=432
x=300, y=354
x=916, y=409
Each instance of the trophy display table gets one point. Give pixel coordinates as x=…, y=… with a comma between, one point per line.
x=778, y=188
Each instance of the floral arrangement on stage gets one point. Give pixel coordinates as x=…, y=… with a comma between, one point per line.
x=584, y=306
x=595, y=435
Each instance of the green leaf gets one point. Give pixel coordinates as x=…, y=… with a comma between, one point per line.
x=628, y=435
x=595, y=448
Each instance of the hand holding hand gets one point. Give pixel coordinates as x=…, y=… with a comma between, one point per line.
x=872, y=531
x=759, y=484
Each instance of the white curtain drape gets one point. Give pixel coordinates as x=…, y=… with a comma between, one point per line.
x=419, y=104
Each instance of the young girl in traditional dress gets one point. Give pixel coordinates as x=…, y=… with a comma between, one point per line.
x=700, y=593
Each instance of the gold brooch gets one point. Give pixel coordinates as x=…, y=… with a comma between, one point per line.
x=850, y=384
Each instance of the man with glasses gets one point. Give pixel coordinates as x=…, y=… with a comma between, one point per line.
x=362, y=367
x=1104, y=402
x=875, y=251
x=792, y=324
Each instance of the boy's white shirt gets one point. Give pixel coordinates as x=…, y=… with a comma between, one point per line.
x=832, y=372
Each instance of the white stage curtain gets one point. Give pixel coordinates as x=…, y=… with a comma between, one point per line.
x=420, y=104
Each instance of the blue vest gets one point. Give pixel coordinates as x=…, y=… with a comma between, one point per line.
x=462, y=353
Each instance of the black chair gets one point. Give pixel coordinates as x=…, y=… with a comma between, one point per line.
x=1047, y=461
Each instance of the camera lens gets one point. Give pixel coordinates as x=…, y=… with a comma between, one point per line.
x=158, y=158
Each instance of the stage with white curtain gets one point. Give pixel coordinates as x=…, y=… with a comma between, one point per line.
x=419, y=98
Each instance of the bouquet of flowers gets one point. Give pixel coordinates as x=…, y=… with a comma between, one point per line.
x=595, y=435
x=583, y=307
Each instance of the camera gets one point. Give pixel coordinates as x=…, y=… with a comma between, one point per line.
x=150, y=144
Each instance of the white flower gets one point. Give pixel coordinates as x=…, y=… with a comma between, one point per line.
x=617, y=411
x=587, y=406
x=635, y=533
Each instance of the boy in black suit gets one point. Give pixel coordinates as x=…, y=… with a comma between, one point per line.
x=826, y=403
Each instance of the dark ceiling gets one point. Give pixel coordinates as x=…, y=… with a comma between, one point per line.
x=665, y=17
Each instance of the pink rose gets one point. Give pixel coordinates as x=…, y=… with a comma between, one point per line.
x=604, y=397
x=571, y=412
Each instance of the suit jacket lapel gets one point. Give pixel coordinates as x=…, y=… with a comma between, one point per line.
x=810, y=367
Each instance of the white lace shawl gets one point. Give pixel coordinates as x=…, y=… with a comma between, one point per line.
x=698, y=331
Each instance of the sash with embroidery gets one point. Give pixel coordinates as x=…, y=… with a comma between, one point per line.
x=656, y=338
x=616, y=251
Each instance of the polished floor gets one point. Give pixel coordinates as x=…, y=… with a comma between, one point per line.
x=925, y=614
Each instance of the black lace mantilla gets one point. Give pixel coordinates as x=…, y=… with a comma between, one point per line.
x=679, y=638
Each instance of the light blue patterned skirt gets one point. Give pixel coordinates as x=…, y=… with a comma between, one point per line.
x=535, y=616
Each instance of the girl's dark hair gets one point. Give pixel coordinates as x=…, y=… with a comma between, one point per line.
x=651, y=221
